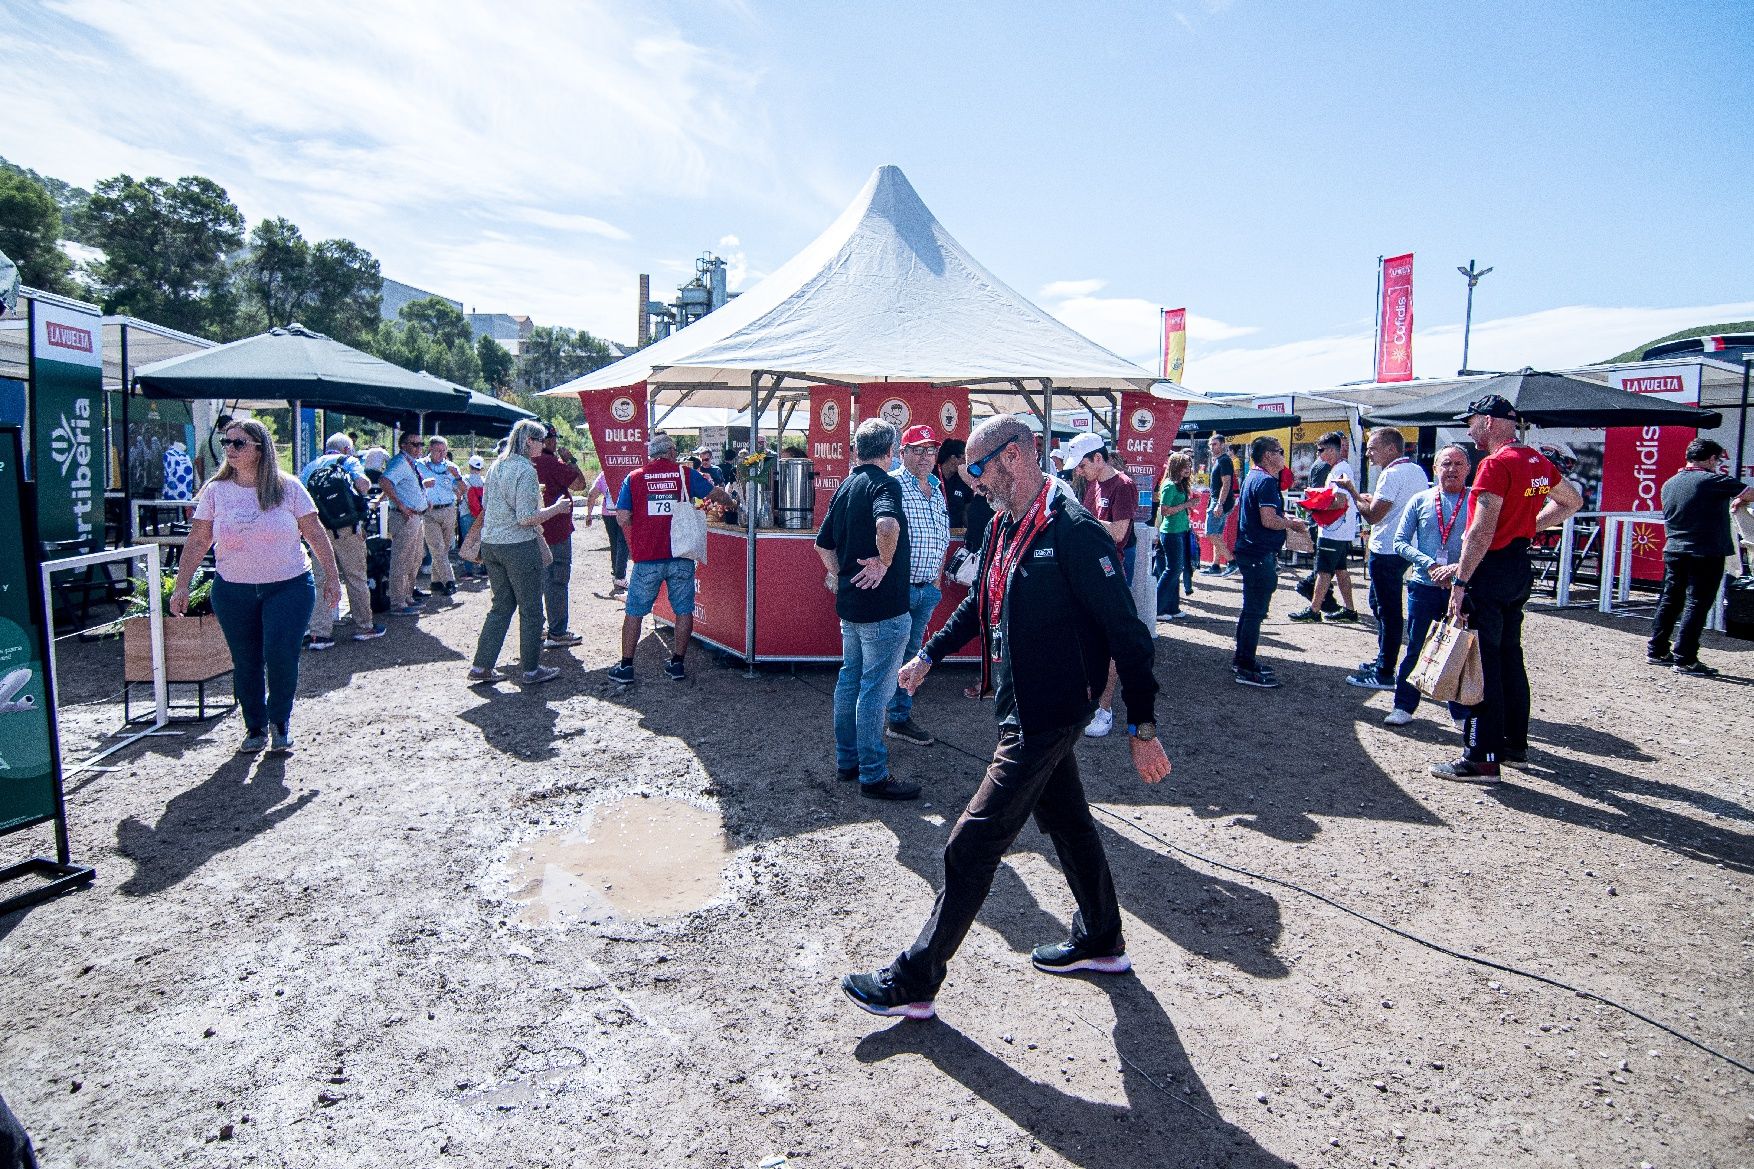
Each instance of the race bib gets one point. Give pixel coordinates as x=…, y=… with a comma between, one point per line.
x=664, y=507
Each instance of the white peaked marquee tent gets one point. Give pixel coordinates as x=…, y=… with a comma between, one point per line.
x=885, y=294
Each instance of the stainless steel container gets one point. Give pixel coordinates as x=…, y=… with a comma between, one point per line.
x=794, y=494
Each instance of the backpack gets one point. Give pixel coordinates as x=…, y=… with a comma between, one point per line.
x=339, y=505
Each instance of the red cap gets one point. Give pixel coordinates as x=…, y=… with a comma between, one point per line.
x=914, y=435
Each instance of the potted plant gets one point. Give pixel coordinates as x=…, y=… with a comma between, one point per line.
x=194, y=645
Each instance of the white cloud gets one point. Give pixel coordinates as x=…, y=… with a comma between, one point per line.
x=561, y=221
x=1552, y=339
x=1067, y=289
x=1126, y=325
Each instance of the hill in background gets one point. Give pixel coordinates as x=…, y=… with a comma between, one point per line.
x=1636, y=353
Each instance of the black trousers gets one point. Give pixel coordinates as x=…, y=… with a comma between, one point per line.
x=1386, y=576
x=1690, y=585
x=1498, y=591
x=1029, y=774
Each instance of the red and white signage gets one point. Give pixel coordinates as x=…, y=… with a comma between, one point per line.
x=617, y=421
x=905, y=404
x=1146, y=438
x=1637, y=460
x=830, y=441
x=1394, y=346
x=72, y=339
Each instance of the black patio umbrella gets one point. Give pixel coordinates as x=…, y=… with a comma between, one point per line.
x=485, y=415
x=1549, y=399
x=1227, y=418
x=294, y=364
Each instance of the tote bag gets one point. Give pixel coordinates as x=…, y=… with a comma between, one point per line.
x=1449, y=666
x=688, y=532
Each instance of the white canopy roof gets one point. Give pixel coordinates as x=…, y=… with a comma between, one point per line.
x=885, y=294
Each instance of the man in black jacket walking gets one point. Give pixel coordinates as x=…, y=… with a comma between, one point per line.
x=1051, y=607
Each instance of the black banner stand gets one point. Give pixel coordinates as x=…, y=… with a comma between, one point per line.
x=60, y=874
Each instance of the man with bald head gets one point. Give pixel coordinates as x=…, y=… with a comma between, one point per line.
x=1051, y=608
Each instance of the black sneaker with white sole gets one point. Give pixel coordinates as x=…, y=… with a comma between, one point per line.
x=908, y=732
x=1260, y=679
x=1466, y=771
x=875, y=992
x=1071, y=957
x=1695, y=669
x=890, y=788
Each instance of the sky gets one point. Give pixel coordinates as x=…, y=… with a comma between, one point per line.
x=1248, y=161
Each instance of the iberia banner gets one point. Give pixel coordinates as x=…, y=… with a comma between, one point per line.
x=1175, y=343
x=830, y=441
x=1637, y=460
x=617, y=419
x=66, y=410
x=1394, y=352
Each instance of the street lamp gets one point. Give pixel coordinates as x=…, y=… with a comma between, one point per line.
x=1473, y=276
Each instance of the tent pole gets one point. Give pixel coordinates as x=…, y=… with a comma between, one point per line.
x=749, y=525
x=128, y=506
x=1742, y=419
x=1047, y=423
x=298, y=416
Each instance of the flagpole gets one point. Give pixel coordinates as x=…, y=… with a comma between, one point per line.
x=1376, y=335
x=1163, y=343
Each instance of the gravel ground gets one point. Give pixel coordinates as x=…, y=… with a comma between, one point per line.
x=333, y=959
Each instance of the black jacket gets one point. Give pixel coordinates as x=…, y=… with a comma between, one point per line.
x=1067, y=612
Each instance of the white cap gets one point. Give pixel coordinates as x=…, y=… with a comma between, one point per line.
x=476, y=462
x=1081, y=447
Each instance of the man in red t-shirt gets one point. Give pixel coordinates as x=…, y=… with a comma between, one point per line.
x=1516, y=493
x=558, y=477
x=1109, y=494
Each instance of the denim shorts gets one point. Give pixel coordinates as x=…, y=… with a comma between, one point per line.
x=1215, y=520
x=675, y=574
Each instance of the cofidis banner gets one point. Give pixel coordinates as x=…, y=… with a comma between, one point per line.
x=27, y=771
x=1637, y=460
x=1394, y=351
x=66, y=409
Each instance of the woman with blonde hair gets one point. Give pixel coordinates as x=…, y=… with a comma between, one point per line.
x=1172, y=530
x=256, y=518
x=512, y=550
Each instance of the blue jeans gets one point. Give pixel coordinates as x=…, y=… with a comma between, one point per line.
x=922, y=602
x=1386, y=574
x=870, y=653
x=1425, y=606
x=1175, y=562
x=264, y=626
x=1191, y=546
x=1260, y=576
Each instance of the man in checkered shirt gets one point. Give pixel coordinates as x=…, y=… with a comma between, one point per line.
x=928, y=533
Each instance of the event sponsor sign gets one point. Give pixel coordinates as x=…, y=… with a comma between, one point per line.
x=905, y=404
x=66, y=408
x=1146, y=438
x=1637, y=460
x=617, y=421
x=830, y=441
x=1175, y=343
x=27, y=773
x=1394, y=346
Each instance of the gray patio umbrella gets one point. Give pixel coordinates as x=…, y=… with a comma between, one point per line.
x=294, y=364
x=1550, y=399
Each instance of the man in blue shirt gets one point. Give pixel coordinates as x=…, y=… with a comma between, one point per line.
x=1429, y=539
x=1260, y=533
x=444, y=487
x=404, y=486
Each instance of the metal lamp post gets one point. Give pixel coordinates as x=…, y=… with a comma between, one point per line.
x=1473, y=276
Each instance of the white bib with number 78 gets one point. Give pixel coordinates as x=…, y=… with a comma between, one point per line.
x=661, y=507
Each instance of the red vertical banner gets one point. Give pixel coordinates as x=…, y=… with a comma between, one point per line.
x=1175, y=343
x=617, y=421
x=830, y=441
x=1636, y=460
x=1145, y=439
x=905, y=404
x=1394, y=346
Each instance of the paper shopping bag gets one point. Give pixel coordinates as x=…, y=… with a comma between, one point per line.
x=1443, y=668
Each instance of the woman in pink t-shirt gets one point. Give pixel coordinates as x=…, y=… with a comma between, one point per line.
x=257, y=521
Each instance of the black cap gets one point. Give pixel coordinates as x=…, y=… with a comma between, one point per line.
x=550, y=432
x=1492, y=405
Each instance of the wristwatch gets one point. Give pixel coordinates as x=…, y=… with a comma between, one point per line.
x=1144, y=731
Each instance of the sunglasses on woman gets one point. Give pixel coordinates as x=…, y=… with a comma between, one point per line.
x=974, y=467
x=237, y=444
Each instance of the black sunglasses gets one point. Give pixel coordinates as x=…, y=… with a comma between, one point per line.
x=237, y=444
x=974, y=467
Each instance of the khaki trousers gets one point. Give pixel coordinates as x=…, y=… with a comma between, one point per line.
x=441, y=535
x=407, y=542
x=350, y=559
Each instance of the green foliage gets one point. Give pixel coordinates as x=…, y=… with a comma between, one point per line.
x=71, y=200
x=554, y=354
x=200, y=594
x=30, y=233
x=496, y=365
x=165, y=250
x=333, y=286
x=1636, y=353
x=431, y=335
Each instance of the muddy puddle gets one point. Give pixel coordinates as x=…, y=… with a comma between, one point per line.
x=634, y=858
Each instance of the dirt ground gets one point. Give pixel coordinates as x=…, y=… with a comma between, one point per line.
x=402, y=946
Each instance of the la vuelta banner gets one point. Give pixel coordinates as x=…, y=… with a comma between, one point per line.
x=830, y=440
x=1637, y=460
x=1394, y=347
x=1146, y=438
x=66, y=411
x=617, y=420
x=1175, y=343
x=905, y=404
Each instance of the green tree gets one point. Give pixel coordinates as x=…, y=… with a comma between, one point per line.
x=30, y=233
x=165, y=250
x=496, y=365
x=554, y=354
x=431, y=335
x=334, y=287
x=70, y=199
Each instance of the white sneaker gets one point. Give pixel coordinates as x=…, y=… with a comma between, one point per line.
x=1100, y=724
x=1398, y=717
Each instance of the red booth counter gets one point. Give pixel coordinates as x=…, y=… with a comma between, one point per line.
x=794, y=613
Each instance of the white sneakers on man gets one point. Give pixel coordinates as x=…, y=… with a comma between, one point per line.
x=1398, y=717
x=1101, y=723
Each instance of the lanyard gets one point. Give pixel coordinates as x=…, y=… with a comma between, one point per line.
x=1443, y=529
x=1009, y=550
